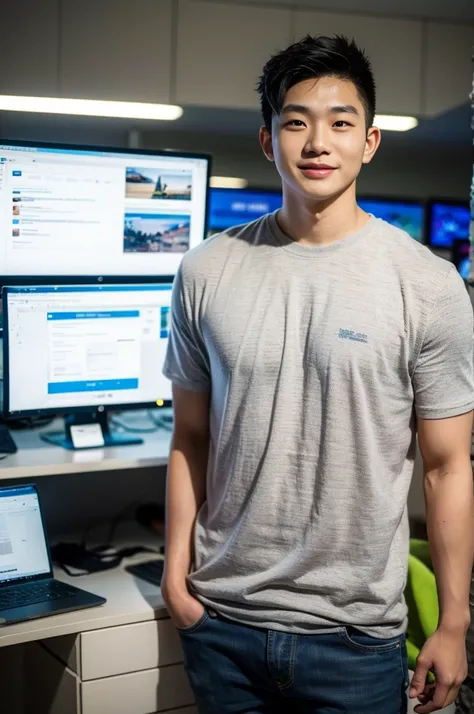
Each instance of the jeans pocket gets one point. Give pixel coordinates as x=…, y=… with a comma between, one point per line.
x=195, y=626
x=361, y=642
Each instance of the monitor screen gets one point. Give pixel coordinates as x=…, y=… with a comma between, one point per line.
x=71, y=211
x=461, y=257
x=448, y=221
x=79, y=347
x=23, y=550
x=232, y=207
x=405, y=215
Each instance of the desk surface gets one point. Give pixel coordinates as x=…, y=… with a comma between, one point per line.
x=36, y=458
x=128, y=600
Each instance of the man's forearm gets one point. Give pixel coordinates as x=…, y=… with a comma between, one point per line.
x=450, y=520
x=186, y=492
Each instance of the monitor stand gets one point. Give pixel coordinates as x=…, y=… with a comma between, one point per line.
x=88, y=431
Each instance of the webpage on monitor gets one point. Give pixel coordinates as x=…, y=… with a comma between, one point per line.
x=92, y=346
x=78, y=212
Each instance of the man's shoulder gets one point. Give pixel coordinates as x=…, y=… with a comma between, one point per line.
x=413, y=262
x=210, y=256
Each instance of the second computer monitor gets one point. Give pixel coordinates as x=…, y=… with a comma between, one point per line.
x=81, y=348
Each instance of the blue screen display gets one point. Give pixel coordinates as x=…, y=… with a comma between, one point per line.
x=448, y=222
x=407, y=216
x=461, y=257
x=231, y=207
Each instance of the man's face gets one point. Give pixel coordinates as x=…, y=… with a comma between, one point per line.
x=320, y=140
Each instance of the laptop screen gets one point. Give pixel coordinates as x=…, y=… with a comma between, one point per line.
x=23, y=549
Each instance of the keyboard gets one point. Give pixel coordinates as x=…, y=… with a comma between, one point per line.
x=150, y=570
x=32, y=593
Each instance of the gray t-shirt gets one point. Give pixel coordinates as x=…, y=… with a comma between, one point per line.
x=317, y=359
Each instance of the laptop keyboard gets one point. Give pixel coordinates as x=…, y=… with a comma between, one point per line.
x=32, y=593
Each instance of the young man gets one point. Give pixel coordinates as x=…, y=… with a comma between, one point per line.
x=306, y=349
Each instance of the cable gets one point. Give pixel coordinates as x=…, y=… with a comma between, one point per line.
x=159, y=422
x=133, y=429
x=162, y=422
x=91, y=559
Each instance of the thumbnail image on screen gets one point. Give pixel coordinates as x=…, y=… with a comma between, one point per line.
x=158, y=184
x=407, y=216
x=448, y=222
x=155, y=233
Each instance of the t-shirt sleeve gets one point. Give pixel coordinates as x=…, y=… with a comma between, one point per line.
x=443, y=379
x=186, y=363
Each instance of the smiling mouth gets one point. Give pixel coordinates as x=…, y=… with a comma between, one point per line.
x=315, y=171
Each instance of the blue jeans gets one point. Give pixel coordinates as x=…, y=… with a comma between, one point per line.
x=246, y=670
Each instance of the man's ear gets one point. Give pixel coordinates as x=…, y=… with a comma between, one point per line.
x=372, y=143
x=266, y=143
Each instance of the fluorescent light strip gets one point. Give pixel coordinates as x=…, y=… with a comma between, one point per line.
x=90, y=107
x=390, y=122
x=227, y=182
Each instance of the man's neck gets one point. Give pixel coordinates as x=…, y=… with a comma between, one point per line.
x=311, y=223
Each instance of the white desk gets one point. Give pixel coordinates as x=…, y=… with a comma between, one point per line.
x=36, y=458
x=123, y=657
x=128, y=600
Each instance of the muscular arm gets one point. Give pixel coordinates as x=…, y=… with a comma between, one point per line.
x=448, y=486
x=186, y=486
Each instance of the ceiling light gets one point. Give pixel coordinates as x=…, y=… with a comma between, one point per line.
x=90, y=107
x=390, y=122
x=227, y=182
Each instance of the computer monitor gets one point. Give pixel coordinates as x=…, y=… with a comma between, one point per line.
x=446, y=222
x=407, y=215
x=82, y=350
x=460, y=256
x=87, y=211
x=232, y=207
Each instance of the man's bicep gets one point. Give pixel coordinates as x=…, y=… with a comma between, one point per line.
x=445, y=442
x=191, y=413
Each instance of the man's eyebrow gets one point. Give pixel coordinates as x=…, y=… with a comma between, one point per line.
x=297, y=108
x=303, y=109
x=345, y=109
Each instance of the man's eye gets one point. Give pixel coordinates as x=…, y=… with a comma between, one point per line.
x=341, y=124
x=295, y=122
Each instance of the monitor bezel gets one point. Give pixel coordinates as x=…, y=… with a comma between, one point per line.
x=429, y=219
x=7, y=413
x=31, y=279
x=38, y=576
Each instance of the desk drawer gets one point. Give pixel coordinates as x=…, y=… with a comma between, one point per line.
x=131, y=648
x=155, y=690
x=119, y=650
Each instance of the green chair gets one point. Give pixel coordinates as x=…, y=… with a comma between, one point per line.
x=422, y=600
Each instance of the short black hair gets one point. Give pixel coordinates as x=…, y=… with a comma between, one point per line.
x=312, y=58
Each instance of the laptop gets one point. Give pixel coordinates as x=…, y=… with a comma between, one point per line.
x=28, y=589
